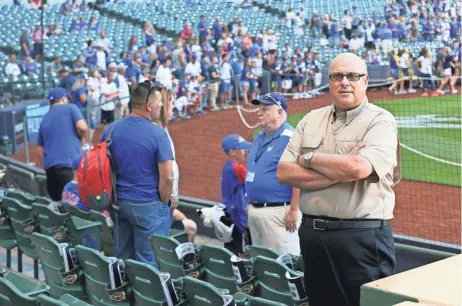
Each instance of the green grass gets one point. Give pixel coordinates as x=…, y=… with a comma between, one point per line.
x=429, y=138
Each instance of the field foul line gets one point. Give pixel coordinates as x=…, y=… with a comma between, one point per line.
x=430, y=157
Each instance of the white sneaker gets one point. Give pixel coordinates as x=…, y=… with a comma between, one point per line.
x=441, y=92
x=402, y=92
x=454, y=92
x=215, y=109
x=412, y=90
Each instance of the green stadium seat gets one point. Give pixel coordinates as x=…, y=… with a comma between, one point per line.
x=217, y=267
x=146, y=284
x=247, y=300
x=65, y=300
x=23, y=224
x=23, y=197
x=167, y=260
x=53, y=268
x=272, y=283
x=16, y=289
x=73, y=211
x=200, y=293
x=95, y=268
x=107, y=238
x=51, y=223
x=84, y=232
x=256, y=250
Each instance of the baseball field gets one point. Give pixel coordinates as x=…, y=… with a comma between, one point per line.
x=430, y=134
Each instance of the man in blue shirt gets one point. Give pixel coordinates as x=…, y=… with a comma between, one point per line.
x=144, y=176
x=62, y=132
x=233, y=190
x=273, y=208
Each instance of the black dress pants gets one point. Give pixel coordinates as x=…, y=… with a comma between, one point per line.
x=57, y=178
x=339, y=262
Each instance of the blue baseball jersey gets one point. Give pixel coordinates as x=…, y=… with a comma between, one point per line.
x=233, y=193
x=261, y=182
x=71, y=196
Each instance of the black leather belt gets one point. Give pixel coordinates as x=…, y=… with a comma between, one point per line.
x=265, y=204
x=321, y=224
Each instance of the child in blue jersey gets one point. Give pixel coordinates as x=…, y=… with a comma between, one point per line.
x=233, y=190
x=70, y=193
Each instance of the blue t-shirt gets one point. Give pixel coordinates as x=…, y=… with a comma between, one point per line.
x=261, y=182
x=138, y=145
x=75, y=94
x=58, y=135
x=233, y=193
x=71, y=196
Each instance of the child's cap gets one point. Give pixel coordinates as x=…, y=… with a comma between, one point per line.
x=235, y=142
x=77, y=160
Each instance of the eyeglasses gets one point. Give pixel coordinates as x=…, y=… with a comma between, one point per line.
x=353, y=77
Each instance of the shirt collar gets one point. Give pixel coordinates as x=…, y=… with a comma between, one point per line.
x=348, y=116
x=277, y=132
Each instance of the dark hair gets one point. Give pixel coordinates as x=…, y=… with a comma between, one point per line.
x=139, y=96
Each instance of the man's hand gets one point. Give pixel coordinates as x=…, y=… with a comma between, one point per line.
x=173, y=203
x=357, y=148
x=291, y=220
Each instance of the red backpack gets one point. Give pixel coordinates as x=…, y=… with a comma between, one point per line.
x=96, y=176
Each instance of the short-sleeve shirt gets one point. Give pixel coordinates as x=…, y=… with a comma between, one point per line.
x=71, y=196
x=213, y=68
x=261, y=182
x=326, y=131
x=58, y=135
x=136, y=158
x=233, y=193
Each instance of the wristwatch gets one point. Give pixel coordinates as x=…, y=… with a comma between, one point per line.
x=307, y=159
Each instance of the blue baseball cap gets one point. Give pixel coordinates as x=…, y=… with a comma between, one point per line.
x=77, y=160
x=272, y=98
x=57, y=93
x=235, y=142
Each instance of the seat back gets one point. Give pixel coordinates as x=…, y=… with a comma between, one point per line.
x=146, y=283
x=217, y=267
x=65, y=300
x=167, y=260
x=50, y=222
x=74, y=211
x=53, y=267
x=23, y=197
x=107, y=237
x=95, y=268
x=25, y=284
x=84, y=232
x=7, y=237
x=272, y=282
x=200, y=293
x=23, y=224
x=12, y=295
x=256, y=250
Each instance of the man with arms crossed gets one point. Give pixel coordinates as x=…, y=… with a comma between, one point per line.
x=345, y=159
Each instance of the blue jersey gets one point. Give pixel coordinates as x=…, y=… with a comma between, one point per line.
x=71, y=196
x=233, y=193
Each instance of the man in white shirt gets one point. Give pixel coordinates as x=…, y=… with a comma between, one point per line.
x=355, y=43
x=124, y=93
x=110, y=94
x=225, y=84
x=12, y=69
x=100, y=56
x=194, y=68
x=164, y=74
x=107, y=45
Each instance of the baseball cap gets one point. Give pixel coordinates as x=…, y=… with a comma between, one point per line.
x=82, y=76
x=77, y=160
x=56, y=93
x=235, y=142
x=272, y=99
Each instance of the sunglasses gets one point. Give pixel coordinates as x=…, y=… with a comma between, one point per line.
x=278, y=104
x=352, y=76
x=152, y=86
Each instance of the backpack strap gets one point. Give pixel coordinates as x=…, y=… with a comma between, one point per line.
x=113, y=171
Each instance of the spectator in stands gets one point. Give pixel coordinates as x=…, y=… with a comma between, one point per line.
x=37, y=36
x=347, y=22
x=346, y=238
x=406, y=72
x=62, y=132
x=106, y=42
x=424, y=65
x=214, y=84
x=233, y=188
x=226, y=87
x=449, y=66
x=56, y=65
x=101, y=57
x=24, y=44
x=273, y=208
x=79, y=65
x=12, y=68
x=110, y=94
x=67, y=80
x=164, y=74
x=186, y=34
x=93, y=25
x=144, y=176
x=124, y=93
x=393, y=72
x=28, y=66
x=203, y=28
x=71, y=195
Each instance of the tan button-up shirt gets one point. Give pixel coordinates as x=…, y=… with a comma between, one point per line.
x=326, y=131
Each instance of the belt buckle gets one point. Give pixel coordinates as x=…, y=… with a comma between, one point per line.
x=318, y=228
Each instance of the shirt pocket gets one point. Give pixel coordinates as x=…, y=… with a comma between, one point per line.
x=345, y=146
x=311, y=143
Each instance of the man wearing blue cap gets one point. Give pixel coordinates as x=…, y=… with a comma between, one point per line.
x=273, y=208
x=62, y=132
x=233, y=190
